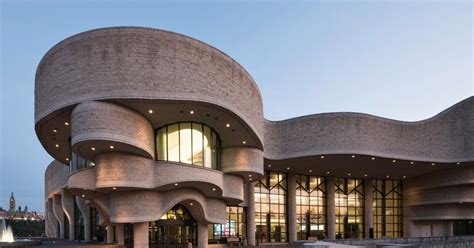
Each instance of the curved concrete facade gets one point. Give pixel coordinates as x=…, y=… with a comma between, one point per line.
x=103, y=94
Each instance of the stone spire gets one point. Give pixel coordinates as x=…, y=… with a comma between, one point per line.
x=12, y=203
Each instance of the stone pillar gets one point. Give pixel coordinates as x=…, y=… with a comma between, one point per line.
x=119, y=231
x=291, y=207
x=368, y=206
x=67, y=201
x=250, y=190
x=58, y=213
x=140, y=235
x=450, y=226
x=202, y=234
x=110, y=234
x=86, y=215
x=331, y=207
x=50, y=233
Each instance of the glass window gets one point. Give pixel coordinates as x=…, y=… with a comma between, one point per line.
x=189, y=143
x=349, y=203
x=235, y=227
x=310, y=207
x=387, y=208
x=77, y=163
x=271, y=208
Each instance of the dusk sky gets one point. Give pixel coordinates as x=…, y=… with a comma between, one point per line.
x=404, y=60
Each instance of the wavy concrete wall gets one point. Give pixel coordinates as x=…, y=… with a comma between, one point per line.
x=446, y=137
x=55, y=178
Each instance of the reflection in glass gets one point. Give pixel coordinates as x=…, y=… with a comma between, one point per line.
x=349, y=202
x=387, y=208
x=235, y=227
x=310, y=207
x=190, y=143
x=271, y=207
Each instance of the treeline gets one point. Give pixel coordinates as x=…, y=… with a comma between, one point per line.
x=26, y=228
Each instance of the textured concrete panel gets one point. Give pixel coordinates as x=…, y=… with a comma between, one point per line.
x=143, y=63
x=446, y=137
x=110, y=124
x=243, y=161
x=55, y=178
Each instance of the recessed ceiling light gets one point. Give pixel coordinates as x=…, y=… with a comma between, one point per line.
x=55, y=130
x=67, y=159
x=393, y=161
x=150, y=111
x=66, y=123
x=327, y=172
x=348, y=174
x=57, y=145
x=404, y=177
x=250, y=175
x=433, y=164
x=288, y=168
x=111, y=147
x=227, y=125
x=176, y=184
x=213, y=189
x=373, y=158
x=243, y=142
x=353, y=156
x=83, y=196
x=387, y=176
x=322, y=157
x=310, y=171
x=93, y=148
x=458, y=163
x=269, y=165
x=191, y=203
x=191, y=112
x=92, y=163
x=412, y=162
x=114, y=188
x=365, y=175
x=250, y=179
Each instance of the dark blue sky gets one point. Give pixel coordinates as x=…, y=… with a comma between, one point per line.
x=405, y=60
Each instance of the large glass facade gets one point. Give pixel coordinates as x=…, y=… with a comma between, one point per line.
x=175, y=227
x=271, y=208
x=234, y=228
x=189, y=143
x=349, y=203
x=387, y=206
x=310, y=207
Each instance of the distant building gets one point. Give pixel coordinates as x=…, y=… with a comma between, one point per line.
x=18, y=214
x=12, y=203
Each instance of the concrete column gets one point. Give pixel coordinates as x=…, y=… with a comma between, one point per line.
x=202, y=235
x=110, y=234
x=58, y=213
x=119, y=231
x=67, y=201
x=291, y=207
x=250, y=190
x=368, y=206
x=86, y=215
x=140, y=235
x=48, y=220
x=450, y=226
x=331, y=207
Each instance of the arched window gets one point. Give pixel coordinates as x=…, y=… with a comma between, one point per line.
x=189, y=143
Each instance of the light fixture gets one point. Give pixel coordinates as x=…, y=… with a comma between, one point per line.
x=191, y=204
x=55, y=130
x=66, y=123
x=310, y=171
x=393, y=161
x=250, y=179
x=111, y=147
x=176, y=184
x=412, y=162
x=83, y=196
x=227, y=125
x=433, y=164
x=387, y=176
x=353, y=156
x=92, y=163
x=93, y=148
x=327, y=172
x=404, y=177
x=288, y=168
x=114, y=188
x=243, y=142
x=250, y=175
x=349, y=174
x=458, y=163
x=191, y=112
x=322, y=157
x=365, y=175
x=213, y=189
x=373, y=158
x=67, y=159
x=269, y=165
x=150, y=111
x=57, y=145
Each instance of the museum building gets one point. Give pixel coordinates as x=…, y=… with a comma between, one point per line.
x=160, y=139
